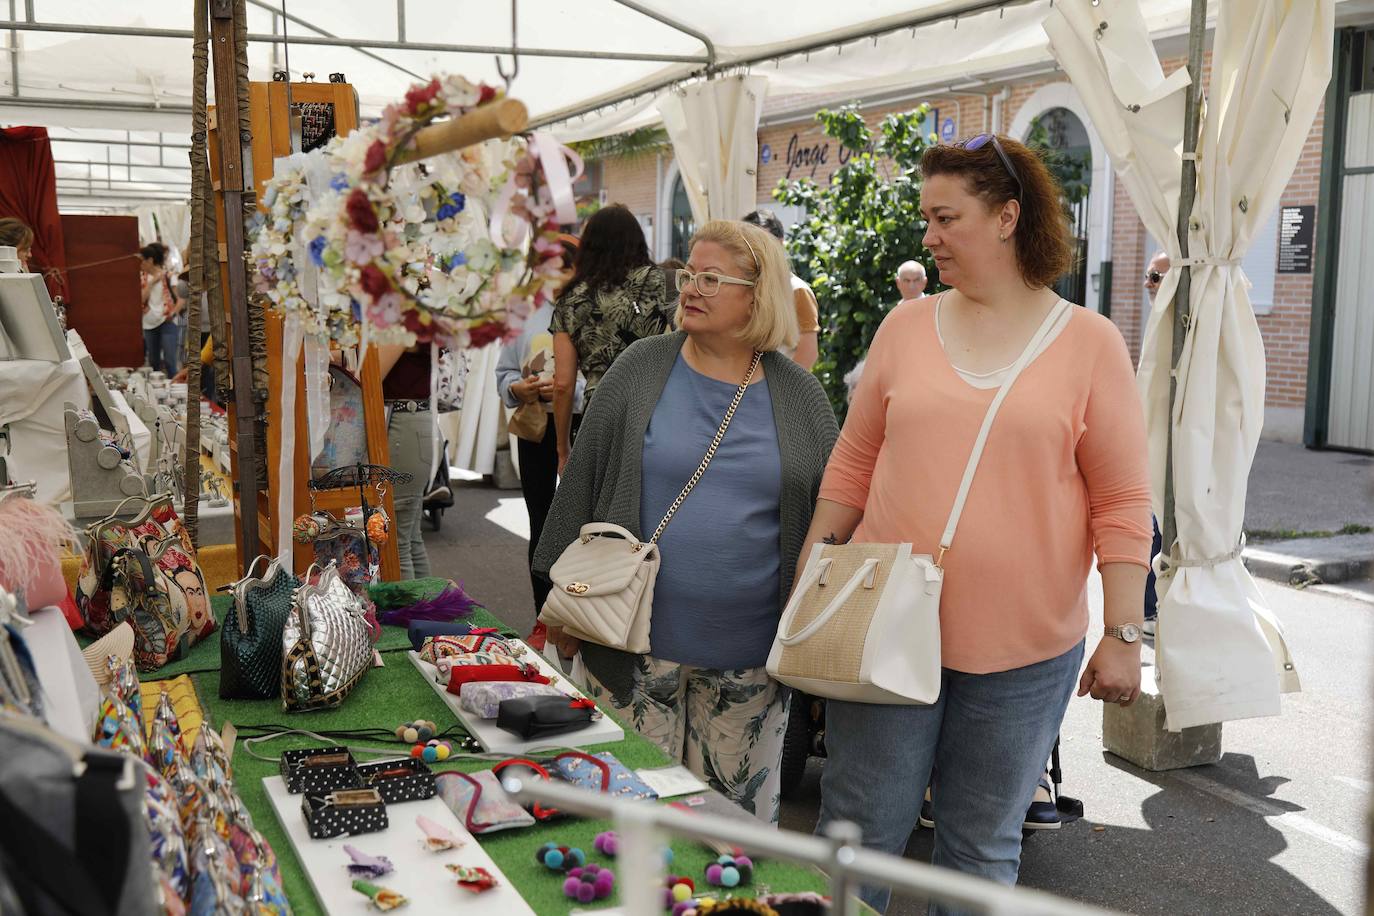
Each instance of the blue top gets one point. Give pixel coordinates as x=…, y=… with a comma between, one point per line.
x=716, y=596
x=531, y=353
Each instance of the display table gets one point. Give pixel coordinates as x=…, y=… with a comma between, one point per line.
x=395, y=694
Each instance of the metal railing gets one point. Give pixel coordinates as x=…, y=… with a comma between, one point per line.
x=839, y=855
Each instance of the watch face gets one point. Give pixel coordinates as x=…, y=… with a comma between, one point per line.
x=1130, y=632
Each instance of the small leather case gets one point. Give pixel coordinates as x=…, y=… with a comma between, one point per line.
x=515, y=671
x=420, y=630
x=538, y=717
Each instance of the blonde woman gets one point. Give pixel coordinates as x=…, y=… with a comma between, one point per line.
x=729, y=555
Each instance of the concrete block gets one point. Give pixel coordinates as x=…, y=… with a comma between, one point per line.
x=1136, y=733
x=1308, y=561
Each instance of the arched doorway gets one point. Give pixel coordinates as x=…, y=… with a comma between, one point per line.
x=1070, y=158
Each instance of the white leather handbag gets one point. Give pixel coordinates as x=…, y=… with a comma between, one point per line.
x=603, y=582
x=863, y=623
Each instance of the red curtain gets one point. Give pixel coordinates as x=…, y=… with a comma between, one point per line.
x=28, y=190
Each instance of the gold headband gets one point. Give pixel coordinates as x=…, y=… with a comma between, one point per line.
x=757, y=266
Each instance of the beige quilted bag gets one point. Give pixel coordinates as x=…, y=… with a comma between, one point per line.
x=603, y=583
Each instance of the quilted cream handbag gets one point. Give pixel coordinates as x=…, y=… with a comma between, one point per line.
x=326, y=644
x=863, y=623
x=603, y=582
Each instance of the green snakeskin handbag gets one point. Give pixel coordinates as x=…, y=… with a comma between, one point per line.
x=250, y=639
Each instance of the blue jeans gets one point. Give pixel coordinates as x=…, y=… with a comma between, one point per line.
x=160, y=344
x=987, y=737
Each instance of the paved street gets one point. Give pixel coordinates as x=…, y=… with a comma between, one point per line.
x=1278, y=827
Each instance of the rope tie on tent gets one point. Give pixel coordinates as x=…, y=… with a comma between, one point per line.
x=1162, y=564
x=1209, y=262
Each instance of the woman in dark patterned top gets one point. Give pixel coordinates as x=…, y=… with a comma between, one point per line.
x=615, y=297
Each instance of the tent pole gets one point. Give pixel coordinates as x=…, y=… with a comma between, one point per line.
x=233, y=146
x=1197, y=33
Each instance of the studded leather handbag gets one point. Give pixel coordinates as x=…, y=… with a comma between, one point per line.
x=251, y=638
x=326, y=646
x=603, y=582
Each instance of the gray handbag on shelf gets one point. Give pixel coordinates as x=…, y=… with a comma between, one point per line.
x=326, y=645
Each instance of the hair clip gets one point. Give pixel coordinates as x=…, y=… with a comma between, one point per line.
x=475, y=879
x=366, y=866
x=382, y=898
x=437, y=837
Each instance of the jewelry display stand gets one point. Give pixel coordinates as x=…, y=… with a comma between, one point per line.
x=101, y=476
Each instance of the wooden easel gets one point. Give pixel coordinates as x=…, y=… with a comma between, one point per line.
x=270, y=123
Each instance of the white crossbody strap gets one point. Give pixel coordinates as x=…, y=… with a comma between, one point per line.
x=981, y=442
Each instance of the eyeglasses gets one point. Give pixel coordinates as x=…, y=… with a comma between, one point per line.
x=982, y=140
x=707, y=284
x=1153, y=276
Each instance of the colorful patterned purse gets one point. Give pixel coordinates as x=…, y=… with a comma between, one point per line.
x=438, y=647
x=142, y=593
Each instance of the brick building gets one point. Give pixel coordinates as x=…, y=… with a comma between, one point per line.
x=1333, y=407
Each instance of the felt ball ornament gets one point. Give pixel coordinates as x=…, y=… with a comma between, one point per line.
x=560, y=858
x=730, y=871
x=586, y=883
x=677, y=889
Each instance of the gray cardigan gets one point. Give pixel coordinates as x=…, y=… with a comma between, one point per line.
x=602, y=480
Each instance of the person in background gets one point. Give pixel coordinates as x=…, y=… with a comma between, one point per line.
x=616, y=295
x=16, y=234
x=1159, y=266
x=911, y=280
x=181, y=289
x=524, y=375
x=729, y=554
x=807, y=348
x=410, y=438
x=1064, y=471
x=160, y=307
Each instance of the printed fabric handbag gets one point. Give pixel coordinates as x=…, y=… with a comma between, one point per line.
x=251, y=639
x=159, y=533
x=603, y=587
x=326, y=646
x=142, y=593
x=863, y=623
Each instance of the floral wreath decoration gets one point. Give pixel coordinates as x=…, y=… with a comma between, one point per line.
x=457, y=250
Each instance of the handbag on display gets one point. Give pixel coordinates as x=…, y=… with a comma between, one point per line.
x=863, y=623
x=326, y=645
x=346, y=546
x=251, y=639
x=160, y=535
x=152, y=602
x=603, y=582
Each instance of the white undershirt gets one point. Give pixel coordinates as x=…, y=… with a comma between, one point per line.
x=995, y=378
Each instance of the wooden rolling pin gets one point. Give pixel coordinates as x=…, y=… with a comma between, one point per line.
x=493, y=120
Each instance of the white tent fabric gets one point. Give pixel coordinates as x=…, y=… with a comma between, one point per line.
x=170, y=221
x=714, y=128
x=1220, y=650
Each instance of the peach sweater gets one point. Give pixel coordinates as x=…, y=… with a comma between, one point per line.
x=1063, y=476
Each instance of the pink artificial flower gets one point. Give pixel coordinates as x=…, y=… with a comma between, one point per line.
x=360, y=248
x=420, y=96
x=376, y=156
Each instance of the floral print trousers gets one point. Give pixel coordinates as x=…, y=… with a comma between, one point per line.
x=726, y=726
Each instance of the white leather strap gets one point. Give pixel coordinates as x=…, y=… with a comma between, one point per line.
x=981, y=442
x=863, y=576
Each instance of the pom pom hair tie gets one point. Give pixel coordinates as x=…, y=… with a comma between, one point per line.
x=730, y=871
x=560, y=858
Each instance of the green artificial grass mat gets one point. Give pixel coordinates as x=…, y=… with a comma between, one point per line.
x=396, y=693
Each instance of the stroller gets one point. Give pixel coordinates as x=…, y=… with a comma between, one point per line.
x=805, y=738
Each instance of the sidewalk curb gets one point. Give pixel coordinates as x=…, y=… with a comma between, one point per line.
x=1294, y=569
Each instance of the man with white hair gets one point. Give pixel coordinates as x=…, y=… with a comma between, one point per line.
x=911, y=280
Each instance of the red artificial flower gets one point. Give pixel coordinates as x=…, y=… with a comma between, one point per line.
x=485, y=94
x=420, y=96
x=484, y=334
x=374, y=282
x=360, y=212
x=376, y=156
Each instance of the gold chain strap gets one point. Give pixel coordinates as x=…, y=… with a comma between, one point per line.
x=710, y=452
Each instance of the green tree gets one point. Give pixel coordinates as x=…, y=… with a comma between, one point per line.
x=859, y=229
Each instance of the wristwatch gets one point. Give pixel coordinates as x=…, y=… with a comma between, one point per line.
x=1128, y=633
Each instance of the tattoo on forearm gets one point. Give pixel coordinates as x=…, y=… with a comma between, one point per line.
x=830, y=539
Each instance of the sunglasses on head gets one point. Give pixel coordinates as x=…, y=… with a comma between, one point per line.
x=1153, y=276
x=982, y=140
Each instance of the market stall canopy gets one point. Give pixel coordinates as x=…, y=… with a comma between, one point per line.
x=117, y=77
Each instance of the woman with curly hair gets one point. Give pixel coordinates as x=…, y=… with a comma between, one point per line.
x=615, y=297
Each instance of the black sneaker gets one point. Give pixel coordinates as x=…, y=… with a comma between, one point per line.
x=440, y=494
x=927, y=818
x=1042, y=815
